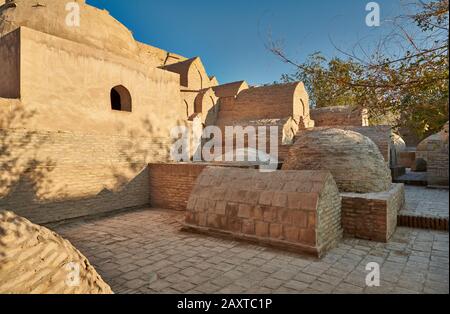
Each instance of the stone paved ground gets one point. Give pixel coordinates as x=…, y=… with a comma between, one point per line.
x=424, y=202
x=144, y=252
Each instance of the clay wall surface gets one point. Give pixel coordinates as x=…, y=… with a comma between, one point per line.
x=230, y=89
x=50, y=176
x=68, y=153
x=172, y=184
x=339, y=116
x=192, y=74
x=69, y=89
x=267, y=102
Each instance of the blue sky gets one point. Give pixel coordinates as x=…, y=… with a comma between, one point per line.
x=229, y=35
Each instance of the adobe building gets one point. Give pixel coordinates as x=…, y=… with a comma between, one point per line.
x=83, y=113
x=85, y=128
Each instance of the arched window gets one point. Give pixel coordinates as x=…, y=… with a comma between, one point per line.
x=121, y=99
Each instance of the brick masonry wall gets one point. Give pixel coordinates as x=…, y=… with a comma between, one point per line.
x=298, y=210
x=267, y=102
x=287, y=129
x=339, y=116
x=170, y=185
x=437, y=171
x=50, y=176
x=372, y=216
x=407, y=159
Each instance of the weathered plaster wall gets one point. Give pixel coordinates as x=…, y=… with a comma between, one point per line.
x=66, y=153
x=68, y=85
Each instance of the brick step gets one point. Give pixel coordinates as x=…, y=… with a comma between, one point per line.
x=432, y=223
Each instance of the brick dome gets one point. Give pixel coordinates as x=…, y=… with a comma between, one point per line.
x=35, y=260
x=435, y=142
x=97, y=28
x=354, y=160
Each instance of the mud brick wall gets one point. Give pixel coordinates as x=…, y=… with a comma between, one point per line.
x=171, y=184
x=48, y=176
x=372, y=216
x=285, y=136
x=296, y=210
x=407, y=159
x=437, y=171
x=339, y=116
x=266, y=102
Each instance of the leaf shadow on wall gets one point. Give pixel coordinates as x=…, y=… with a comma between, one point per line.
x=24, y=175
x=27, y=174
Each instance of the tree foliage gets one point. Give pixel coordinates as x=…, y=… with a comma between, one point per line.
x=410, y=87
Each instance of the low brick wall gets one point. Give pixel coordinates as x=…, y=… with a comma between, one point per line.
x=172, y=184
x=49, y=176
x=437, y=169
x=407, y=159
x=372, y=216
x=338, y=116
x=294, y=210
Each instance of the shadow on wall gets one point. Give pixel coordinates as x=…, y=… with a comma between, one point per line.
x=105, y=174
x=19, y=163
x=23, y=201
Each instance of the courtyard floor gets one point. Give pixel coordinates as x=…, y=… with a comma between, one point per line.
x=425, y=202
x=144, y=251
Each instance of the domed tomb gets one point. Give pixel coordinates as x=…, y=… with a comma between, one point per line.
x=35, y=260
x=436, y=142
x=97, y=28
x=354, y=160
x=398, y=146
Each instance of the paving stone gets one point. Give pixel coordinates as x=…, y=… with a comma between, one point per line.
x=296, y=285
x=271, y=283
x=182, y=287
x=158, y=258
x=305, y=278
